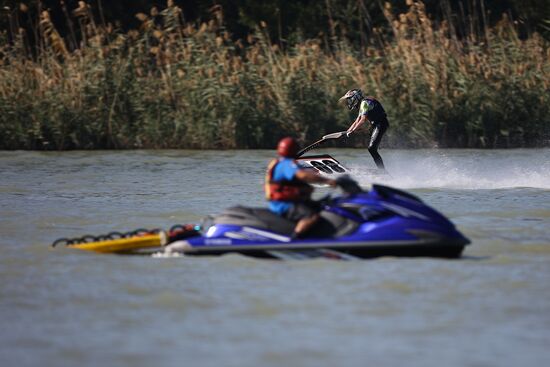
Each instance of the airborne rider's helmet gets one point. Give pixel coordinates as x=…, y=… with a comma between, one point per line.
x=353, y=98
x=288, y=147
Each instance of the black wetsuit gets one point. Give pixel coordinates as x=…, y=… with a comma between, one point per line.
x=373, y=110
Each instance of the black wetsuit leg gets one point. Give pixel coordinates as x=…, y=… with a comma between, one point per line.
x=375, y=139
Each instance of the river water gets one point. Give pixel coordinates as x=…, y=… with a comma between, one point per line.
x=61, y=307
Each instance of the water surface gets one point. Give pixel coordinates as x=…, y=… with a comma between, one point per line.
x=66, y=308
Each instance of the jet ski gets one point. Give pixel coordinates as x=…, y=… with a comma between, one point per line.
x=324, y=164
x=328, y=166
x=381, y=221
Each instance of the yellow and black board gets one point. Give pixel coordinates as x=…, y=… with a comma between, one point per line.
x=124, y=245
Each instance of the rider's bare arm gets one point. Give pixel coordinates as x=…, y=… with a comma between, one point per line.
x=360, y=120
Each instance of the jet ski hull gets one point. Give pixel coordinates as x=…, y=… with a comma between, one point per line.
x=328, y=166
x=362, y=250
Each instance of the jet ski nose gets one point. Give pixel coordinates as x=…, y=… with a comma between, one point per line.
x=177, y=247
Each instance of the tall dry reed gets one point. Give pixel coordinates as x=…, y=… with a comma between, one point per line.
x=173, y=84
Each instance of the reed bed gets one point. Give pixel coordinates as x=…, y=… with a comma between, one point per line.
x=173, y=84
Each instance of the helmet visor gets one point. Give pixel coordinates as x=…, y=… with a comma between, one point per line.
x=351, y=103
x=352, y=99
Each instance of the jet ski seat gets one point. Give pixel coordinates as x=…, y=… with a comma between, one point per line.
x=261, y=218
x=330, y=224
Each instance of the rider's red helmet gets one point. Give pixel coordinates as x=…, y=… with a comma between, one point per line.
x=288, y=147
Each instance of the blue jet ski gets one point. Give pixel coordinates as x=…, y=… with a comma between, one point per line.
x=382, y=221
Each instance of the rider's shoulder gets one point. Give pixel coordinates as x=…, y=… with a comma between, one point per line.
x=288, y=162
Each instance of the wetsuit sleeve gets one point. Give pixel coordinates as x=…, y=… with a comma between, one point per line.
x=365, y=107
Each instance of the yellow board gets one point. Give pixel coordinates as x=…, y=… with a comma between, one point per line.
x=124, y=244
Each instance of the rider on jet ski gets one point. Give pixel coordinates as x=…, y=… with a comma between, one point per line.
x=288, y=189
x=370, y=109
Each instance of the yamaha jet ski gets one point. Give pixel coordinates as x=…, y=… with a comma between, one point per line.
x=382, y=221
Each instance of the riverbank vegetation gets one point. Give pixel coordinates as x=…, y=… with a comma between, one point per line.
x=178, y=84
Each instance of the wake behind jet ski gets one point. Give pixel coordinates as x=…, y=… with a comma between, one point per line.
x=382, y=221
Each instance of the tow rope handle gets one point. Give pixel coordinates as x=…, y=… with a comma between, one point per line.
x=337, y=135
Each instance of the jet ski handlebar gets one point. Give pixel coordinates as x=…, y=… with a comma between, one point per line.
x=348, y=185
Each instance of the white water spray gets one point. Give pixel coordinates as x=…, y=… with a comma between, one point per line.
x=460, y=169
